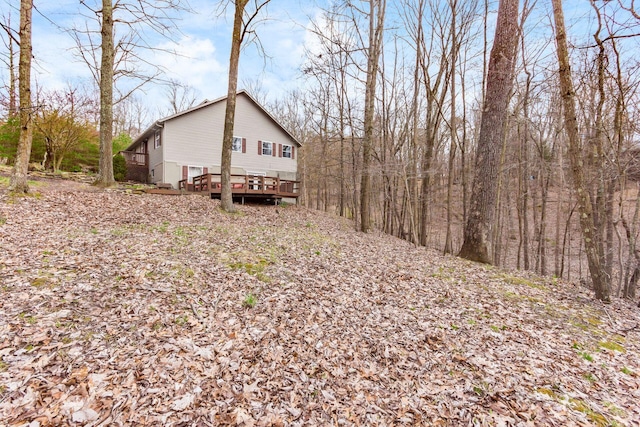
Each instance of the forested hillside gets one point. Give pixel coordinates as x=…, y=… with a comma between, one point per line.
x=120, y=307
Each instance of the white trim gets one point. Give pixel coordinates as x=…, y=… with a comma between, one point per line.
x=255, y=185
x=189, y=176
x=233, y=140
x=271, y=144
x=290, y=151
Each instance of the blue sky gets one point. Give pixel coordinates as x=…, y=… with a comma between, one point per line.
x=202, y=42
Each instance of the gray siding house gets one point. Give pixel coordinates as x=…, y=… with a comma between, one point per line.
x=187, y=145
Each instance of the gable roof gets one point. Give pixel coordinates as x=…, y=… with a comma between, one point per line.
x=160, y=123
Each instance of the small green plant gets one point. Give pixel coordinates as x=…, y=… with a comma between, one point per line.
x=589, y=377
x=3, y=366
x=586, y=356
x=3, y=220
x=94, y=230
x=157, y=326
x=481, y=389
x=626, y=371
x=182, y=320
x=254, y=269
x=250, y=300
x=455, y=327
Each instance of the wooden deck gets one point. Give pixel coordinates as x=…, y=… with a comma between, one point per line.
x=262, y=187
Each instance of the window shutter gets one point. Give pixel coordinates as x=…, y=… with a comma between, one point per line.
x=244, y=145
x=279, y=150
x=259, y=148
x=185, y=172
x=293, y=148
x=273, y=149
x=205, y=171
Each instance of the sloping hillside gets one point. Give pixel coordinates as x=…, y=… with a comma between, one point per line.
x=136, y=309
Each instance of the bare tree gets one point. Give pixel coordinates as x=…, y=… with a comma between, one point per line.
x=377, y=10
x=478, y=230
x=111, y=59
x=594, y=249
x=9, y=58
x=105, y=167
x=242, y=22
x=181, y=96
x=18, y=182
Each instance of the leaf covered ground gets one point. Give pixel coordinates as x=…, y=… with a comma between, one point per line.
x=136, y=309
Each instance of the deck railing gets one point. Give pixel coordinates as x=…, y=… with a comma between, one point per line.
x=243, y=185
x=137, y=159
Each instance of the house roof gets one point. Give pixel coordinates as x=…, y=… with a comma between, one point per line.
x=160, y=123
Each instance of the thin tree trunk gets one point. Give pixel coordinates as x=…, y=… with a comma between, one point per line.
x=18, y=181
x=105, y=168
x=12, y=109
x=376, y=26
x=226, y=195
x=593, y=248
x=448, y=245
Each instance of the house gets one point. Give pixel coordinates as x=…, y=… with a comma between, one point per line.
x=183, y=151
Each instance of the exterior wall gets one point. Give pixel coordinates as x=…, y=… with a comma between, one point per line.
x=195, y=139
x=254, y=125
x=155, y=161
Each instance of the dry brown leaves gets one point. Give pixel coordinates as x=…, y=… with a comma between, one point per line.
x=127, y=309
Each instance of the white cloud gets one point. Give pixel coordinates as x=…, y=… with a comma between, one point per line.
x=195, y=62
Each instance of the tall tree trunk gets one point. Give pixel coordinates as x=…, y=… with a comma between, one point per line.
x=448, y=244
x=478, y=230
x=105, y=167
x=595, y=256
x=13, y=100
x=226, y=195
x=376, y=27
x=18, y=181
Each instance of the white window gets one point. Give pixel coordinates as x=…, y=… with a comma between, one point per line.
x=286, y=151
x=267, y=148
x=156, y=140
x=236, y=145
x=193, y=172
